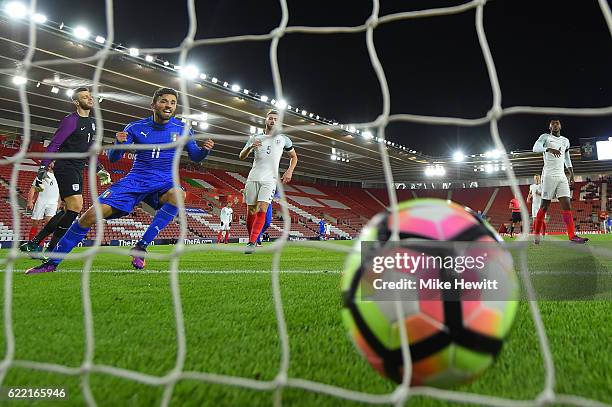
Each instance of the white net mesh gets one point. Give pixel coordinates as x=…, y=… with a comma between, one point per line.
x=403, y=392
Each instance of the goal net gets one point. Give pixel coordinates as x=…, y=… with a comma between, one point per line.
x=283, y=380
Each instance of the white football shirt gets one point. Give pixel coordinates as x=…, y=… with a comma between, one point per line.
x=226, y=214
x=267, y=156
x=553, y=166
x=49, y=195
x=536, y=200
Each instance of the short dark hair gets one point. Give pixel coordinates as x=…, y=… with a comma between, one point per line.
x=164, y=91
x=272, y=111
x=554, y=119
x=77, y=90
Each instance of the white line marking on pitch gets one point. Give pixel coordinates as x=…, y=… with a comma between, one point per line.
x=132, y=271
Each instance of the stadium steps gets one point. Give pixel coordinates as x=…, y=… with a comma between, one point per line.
x=313, y=218
x=6, y=233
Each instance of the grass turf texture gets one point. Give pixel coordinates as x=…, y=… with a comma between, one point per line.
x=231, y=329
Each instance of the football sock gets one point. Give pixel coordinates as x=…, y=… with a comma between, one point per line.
x=48, y=228
x=62, y=226
x=227, y=233
x=250, y=219
x=219, y=236
x=569, y=223
x=265, y=227
x=164, y=215
x=543, y=226
x=72, y=237
x=539, y=221
x=260, y=219
x=511, y=230
x=33, y=232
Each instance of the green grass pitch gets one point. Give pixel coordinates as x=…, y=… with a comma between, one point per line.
x=231, y=329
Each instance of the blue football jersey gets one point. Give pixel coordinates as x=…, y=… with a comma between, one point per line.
x=157, y=162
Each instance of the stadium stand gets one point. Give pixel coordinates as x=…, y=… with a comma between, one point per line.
x=347, y=209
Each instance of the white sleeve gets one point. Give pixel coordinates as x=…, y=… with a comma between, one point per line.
x=288, y=143
x=539, y=146
x=568, y=161
x=250, y=141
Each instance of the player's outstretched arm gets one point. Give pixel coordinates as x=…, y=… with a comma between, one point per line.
x=529, y=197
x=122, y=137
x=196, y=153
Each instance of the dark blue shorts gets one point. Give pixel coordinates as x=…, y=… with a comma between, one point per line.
x=128, y=192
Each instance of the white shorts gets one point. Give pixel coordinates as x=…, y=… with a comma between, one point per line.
x=555, y=187
x=259, y=191
x=225, y=225
x=43, y=209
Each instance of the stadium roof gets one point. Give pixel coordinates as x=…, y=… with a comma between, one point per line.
x=127, y=83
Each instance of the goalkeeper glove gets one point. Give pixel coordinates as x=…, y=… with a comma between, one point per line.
x=40, y=178
x=104, y=177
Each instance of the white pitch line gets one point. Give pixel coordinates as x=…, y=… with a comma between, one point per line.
x=199, y=271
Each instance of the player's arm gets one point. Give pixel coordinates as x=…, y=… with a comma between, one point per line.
x=529, y=196
x=196, y=153
x=251, y=145
x=31, y=196
x=121, y=138
x=568, y=164
x=66, y=127
x=293, y=159
x=510, y=205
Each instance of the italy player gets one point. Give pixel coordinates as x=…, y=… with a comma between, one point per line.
x=535, y=198
x=149, y=180
x=322, y=229
x=261, y=182
x=555, y=149
x=227, y=214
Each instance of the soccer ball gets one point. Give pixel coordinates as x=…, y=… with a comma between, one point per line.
x=451, y=341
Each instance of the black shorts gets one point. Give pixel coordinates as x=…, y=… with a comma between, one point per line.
x=69, y=181
x=516, y=217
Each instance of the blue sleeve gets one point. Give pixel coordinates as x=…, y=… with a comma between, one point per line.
x=115, y=155
x=195, y=152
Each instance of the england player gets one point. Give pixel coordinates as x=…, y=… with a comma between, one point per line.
x=555, y=149
x=261, y=182
x=327, y=231
x=44, y=206
x=75, y=134
x=227, y=215
x=268, y=221
x=149, y=180
x=535, y=198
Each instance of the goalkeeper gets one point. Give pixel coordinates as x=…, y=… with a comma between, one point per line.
x=149, y=180
x=75, y=134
